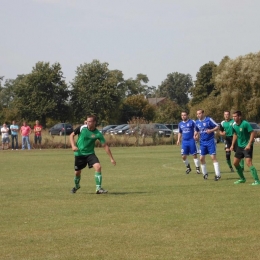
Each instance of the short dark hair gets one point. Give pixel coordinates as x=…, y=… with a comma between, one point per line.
x=202, y=111
x=238, y=112
x=92, y=116
x=185, y=112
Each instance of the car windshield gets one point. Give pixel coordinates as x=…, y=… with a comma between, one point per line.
x=119, y=127
x=255, y=126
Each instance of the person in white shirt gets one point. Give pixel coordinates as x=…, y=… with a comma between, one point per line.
x=5, y=136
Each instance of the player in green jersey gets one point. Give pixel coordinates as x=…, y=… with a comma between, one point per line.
x=244, y=135
x=85, y=154
x=226, y=129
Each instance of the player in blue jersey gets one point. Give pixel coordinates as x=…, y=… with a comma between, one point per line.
x=205, y=129
x=188, y=147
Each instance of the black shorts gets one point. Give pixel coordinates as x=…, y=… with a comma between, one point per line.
x=242, y=153
x=82, y=161
x=37, y=138
x=228, y=143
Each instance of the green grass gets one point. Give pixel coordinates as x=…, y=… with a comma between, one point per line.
x=153, y=209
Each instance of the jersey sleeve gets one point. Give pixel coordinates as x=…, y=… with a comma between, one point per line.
x=221, y=128
x=102, y=139
x=77, y=130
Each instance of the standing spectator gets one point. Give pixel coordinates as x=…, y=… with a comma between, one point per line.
x=5, y=136
x=25, y=132
x=37, y=135
x=205, y=129
x=244, y=135
x=14, y=135
x=186, y=133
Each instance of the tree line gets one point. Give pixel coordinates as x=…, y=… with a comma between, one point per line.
x=43, y=94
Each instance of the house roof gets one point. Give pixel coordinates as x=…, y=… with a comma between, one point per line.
x=155, y=101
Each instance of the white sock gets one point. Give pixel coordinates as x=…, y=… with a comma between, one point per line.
x=203, y=169
x=186, y=162
x=216, y=168
x=196, y=162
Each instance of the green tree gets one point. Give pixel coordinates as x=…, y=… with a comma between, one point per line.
x=97, y=90
x=42, y=94
x=136, y=106
x=168, y=112
x=239, y=85
x=138, y=86
x=204, y=83
x=176, y=87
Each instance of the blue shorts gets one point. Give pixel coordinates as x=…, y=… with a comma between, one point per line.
x=188, y=147
x=208, y=147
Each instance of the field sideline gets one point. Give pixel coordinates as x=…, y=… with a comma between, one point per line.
x=153, y=209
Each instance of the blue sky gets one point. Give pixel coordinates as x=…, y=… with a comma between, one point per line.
x=153, y=37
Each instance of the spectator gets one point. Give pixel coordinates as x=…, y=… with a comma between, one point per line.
x=5, y=136
x=25, y=132
x=37, y=135
x=14, y=135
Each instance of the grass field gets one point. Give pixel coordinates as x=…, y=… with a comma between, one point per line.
x=153, y=209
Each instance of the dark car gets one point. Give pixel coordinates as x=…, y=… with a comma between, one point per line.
x=150, y=129
x=107, y=128
x=121, y=130
x=255, y=126
x=173, y=127
x=112, y=131
x=61, y=129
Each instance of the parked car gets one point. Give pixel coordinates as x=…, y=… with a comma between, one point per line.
x=61, y=129
x=255, y=126
x=113, y=130
x=122, y=130
x=173, y=127
x=106, y=128
x=150, y=129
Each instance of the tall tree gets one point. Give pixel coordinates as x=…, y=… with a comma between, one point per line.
x=168, y=112
x=138, y=86
x=98, y=90
x=239, y=84
x=204, y=83
x=42, y=94
x=176, y=87
x=136, y=106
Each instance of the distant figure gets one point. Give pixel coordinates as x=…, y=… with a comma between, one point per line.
x=37, y=135
x=186, y=132
x=14, y=135
x=25, y=133
x=5, y=136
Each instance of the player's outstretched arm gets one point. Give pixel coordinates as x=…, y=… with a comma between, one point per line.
x=108, y=151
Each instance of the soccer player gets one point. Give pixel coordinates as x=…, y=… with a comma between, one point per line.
x=186, y=132
x=205, y=129
x=226, y=129
x=85, y=154
x=244, y=135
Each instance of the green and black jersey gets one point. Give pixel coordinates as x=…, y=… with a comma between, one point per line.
x=227, y=127
x=243, y=132
x=86, y=140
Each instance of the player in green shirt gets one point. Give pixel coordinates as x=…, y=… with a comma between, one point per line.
x=244, y=135
x=226, y=129
x=85, y=154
